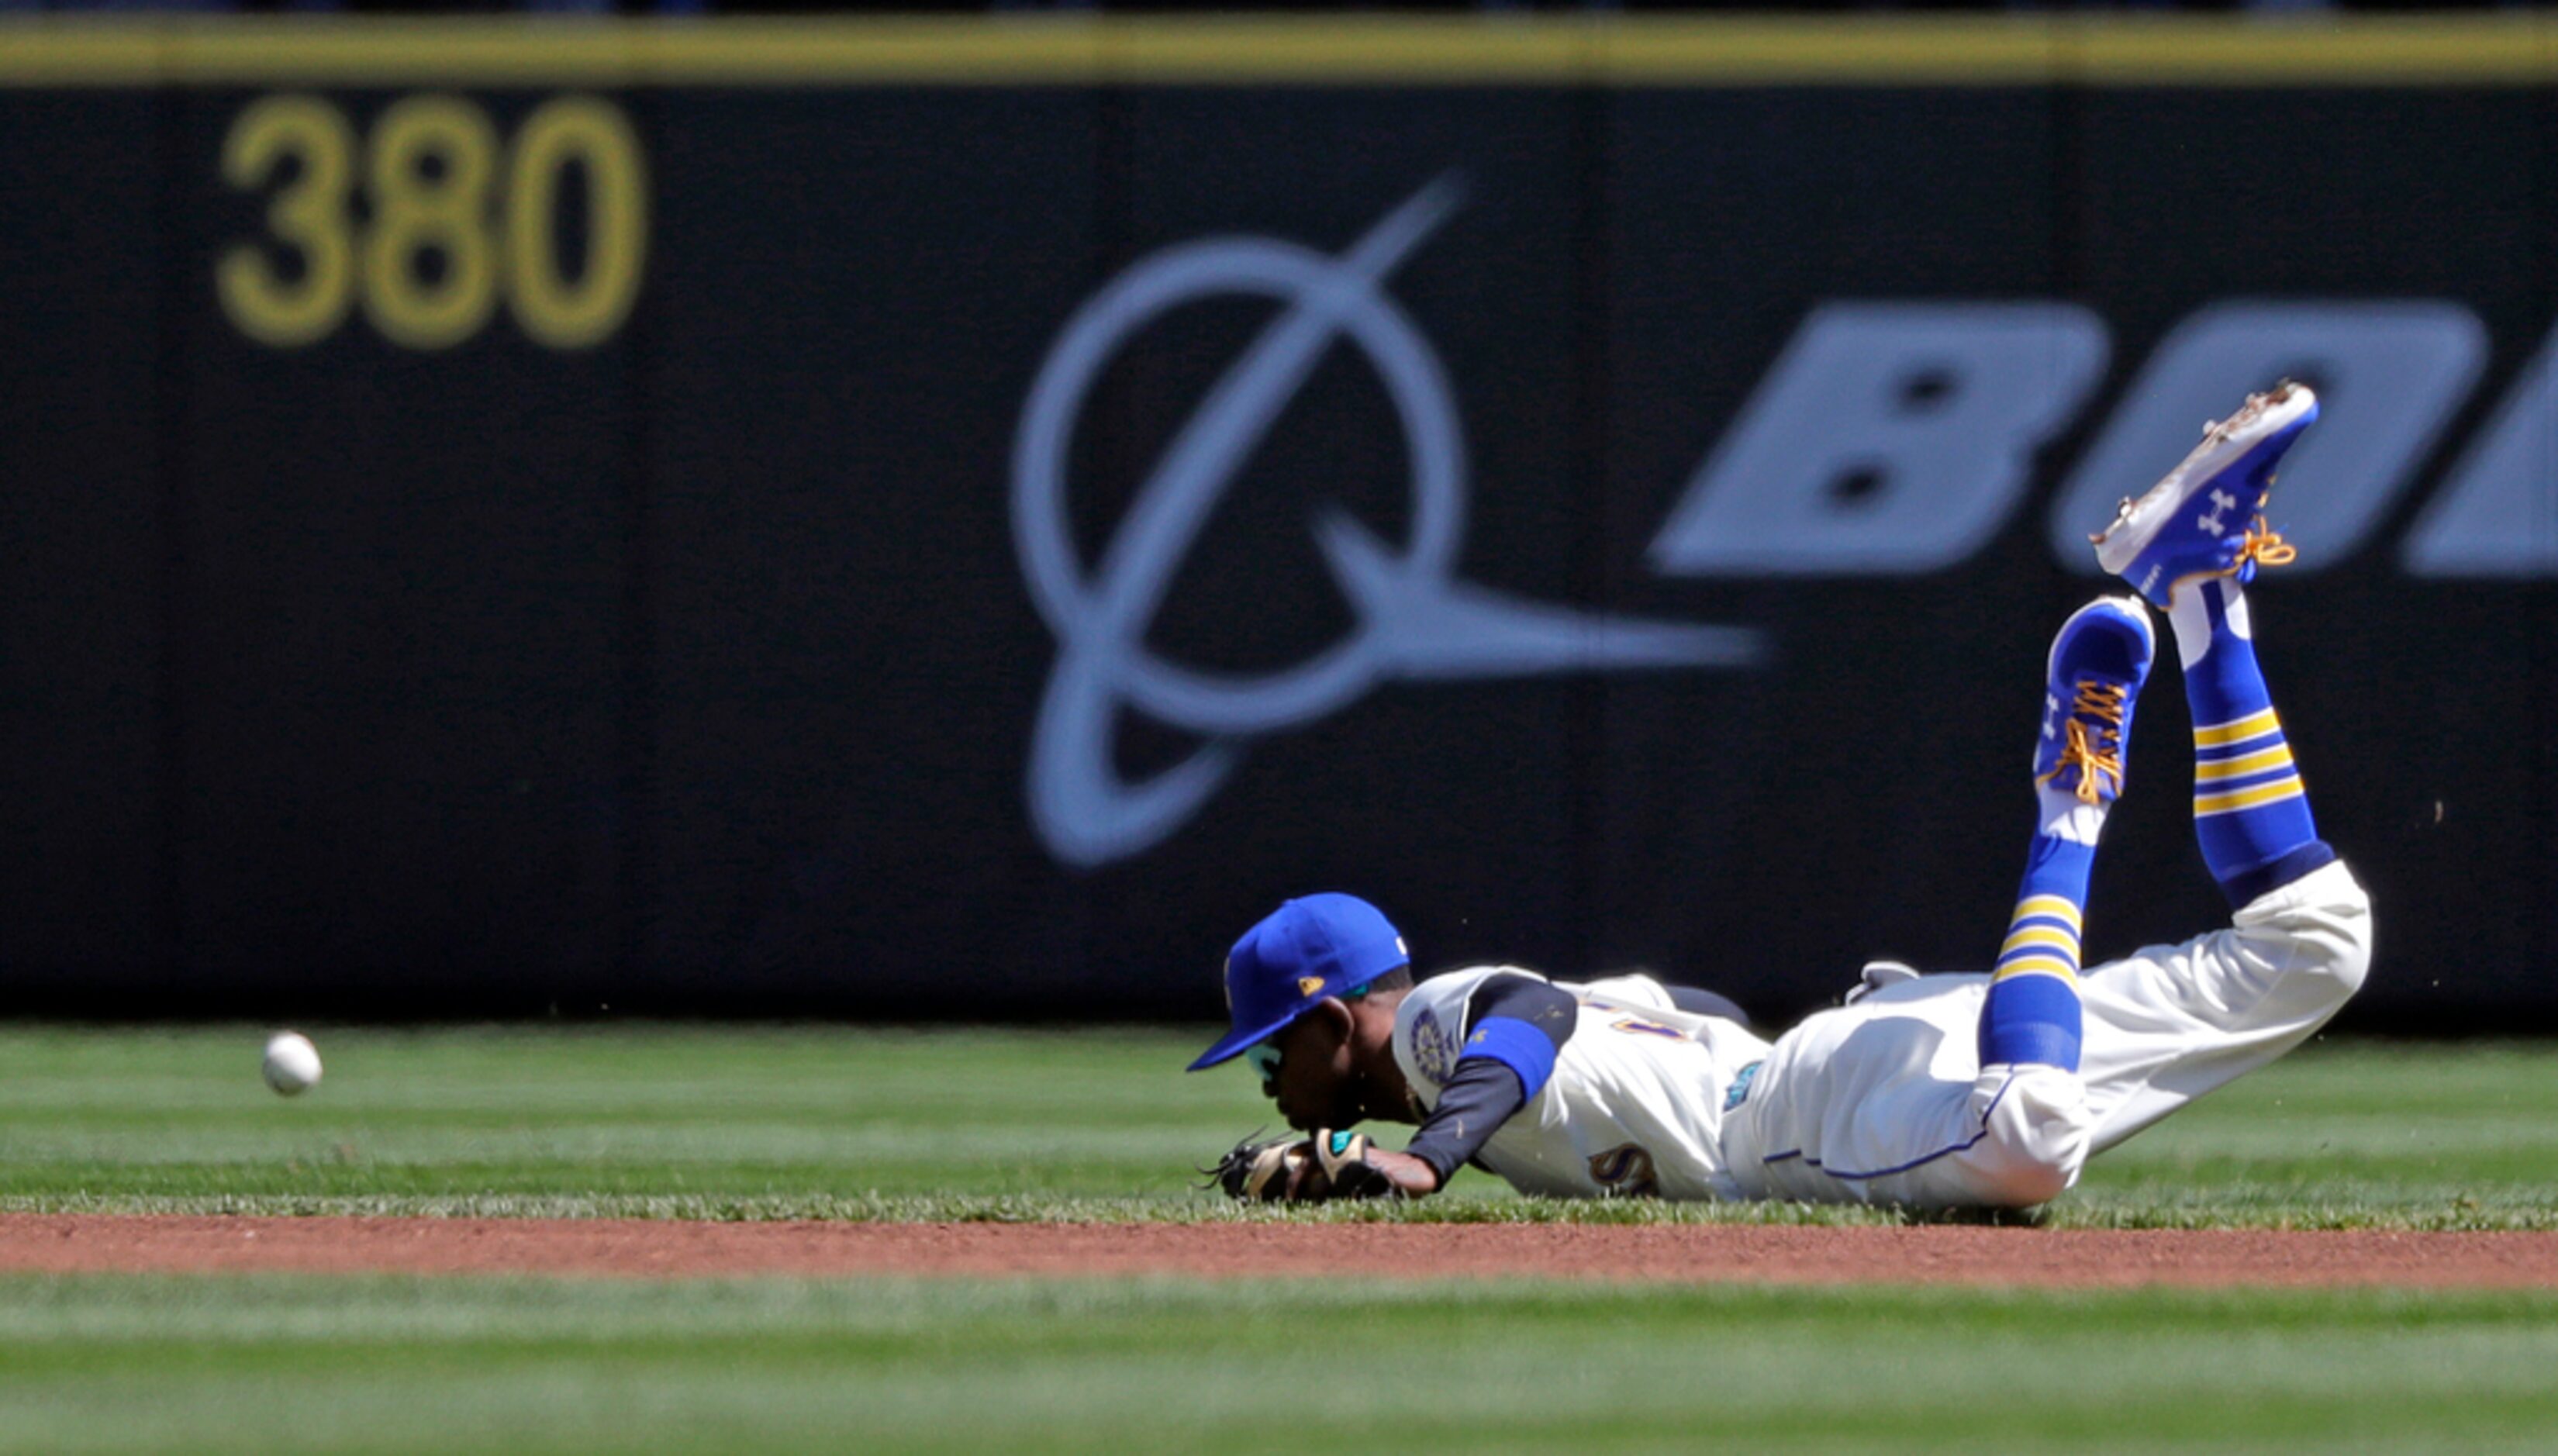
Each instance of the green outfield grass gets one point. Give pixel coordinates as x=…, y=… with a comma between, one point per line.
x=528, y=1366
x=746, y=1123
x=762, y=1122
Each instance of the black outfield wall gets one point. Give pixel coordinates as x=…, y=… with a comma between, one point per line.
x=957, y=519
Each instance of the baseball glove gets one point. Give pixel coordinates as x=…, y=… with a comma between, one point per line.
x=1315, y=1169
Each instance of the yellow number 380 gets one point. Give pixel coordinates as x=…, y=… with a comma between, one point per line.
x=430, y=169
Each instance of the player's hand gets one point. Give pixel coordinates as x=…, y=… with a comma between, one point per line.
x=1326, y=1166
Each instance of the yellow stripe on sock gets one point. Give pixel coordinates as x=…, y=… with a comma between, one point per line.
x=2243, y=798
x=2220, y=735
x=2058, y=906
x=2036, y=965
x=2051, y=936
x=2277, y=757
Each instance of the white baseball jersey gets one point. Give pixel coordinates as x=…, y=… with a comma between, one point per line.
x=1886, y=1100
x=1636, y=1101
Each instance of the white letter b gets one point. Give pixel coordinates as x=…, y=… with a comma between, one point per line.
x=1889, y=439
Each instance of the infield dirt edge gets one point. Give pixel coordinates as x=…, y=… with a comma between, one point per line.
x=2022, y=1257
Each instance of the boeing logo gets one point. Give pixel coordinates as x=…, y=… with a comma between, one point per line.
x=1415, y=619
x=1887, y=438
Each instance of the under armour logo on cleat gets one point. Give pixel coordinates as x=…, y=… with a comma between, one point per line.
x=2222, y=503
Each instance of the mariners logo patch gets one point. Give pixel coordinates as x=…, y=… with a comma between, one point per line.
x=1434, y=1047
x=1738, y=1091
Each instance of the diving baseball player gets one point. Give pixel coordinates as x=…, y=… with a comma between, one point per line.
x=1966, y=1090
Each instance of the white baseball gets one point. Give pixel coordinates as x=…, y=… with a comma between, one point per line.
x=290, y=1064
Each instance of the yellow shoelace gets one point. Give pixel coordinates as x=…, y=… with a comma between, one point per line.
x=2082, y=746
x=2265, y=547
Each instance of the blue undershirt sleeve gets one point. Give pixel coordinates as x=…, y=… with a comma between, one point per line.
x=1522, y=1023
x=1479, y=1097
x=1515, y=1027
x=1519, y=1045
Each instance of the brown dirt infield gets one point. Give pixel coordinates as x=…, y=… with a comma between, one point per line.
x=647, y=1248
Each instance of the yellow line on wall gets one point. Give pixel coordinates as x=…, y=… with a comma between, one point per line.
x=2489, y=48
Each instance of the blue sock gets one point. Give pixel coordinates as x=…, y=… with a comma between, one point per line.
x=2251, y=813
x=2032, y=1013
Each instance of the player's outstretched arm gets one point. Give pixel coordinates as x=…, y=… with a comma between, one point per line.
x=1516, y=1028
x=1412, y=1177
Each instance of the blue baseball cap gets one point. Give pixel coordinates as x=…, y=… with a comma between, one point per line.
x=1326, y=945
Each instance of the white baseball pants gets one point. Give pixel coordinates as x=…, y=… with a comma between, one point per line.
x=1885, y=1102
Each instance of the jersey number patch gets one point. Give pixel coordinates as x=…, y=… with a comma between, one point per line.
x=1624, y=1171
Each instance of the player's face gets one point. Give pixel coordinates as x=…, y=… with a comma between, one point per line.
x=1310, y=1080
